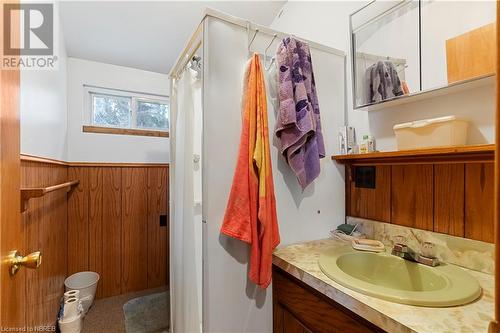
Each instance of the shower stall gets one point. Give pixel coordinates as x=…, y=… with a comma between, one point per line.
x=210, y=291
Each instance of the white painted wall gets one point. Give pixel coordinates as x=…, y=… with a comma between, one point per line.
x=94, y=147
x=231, y=303
x=43, y=109
x=327, y=22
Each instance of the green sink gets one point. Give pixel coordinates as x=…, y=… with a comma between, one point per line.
x=394, y=279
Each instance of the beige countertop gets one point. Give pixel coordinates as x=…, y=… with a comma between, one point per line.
x=301, y=261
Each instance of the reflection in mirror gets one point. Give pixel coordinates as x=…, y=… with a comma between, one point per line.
x=386, y=49
x=460, y=47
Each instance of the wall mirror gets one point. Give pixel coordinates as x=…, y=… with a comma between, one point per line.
x=401, y=48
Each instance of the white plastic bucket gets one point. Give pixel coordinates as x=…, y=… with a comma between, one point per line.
x=86, y=283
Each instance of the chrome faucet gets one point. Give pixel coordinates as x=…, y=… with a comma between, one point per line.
x=403, y=251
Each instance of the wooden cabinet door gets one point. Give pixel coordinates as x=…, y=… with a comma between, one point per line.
x=297, y=308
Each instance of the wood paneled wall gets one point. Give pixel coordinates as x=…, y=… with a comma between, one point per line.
x=109, y=223
x=114, y=226
x=455, y=199
x=46, y=231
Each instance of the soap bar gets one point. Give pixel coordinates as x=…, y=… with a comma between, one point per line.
x=370, y=245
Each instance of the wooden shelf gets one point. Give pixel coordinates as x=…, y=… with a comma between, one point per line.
x=460, y=154
x=36, y=192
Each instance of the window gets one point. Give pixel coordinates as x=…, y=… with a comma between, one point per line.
x=109, y=110
x=152, y=114
x=118, y=109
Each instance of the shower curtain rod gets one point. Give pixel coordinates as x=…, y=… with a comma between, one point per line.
x=268, y=31
x=186, y=60
x=188, y=51
x=375, y=57
x=209, y=12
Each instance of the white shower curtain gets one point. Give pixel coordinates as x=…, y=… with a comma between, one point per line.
x=185, y=237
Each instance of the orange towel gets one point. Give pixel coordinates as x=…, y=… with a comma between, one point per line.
x=251, y=209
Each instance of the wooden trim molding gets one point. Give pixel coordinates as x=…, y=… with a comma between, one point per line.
x=32, y=158
x=124, y=131
x=117, y=165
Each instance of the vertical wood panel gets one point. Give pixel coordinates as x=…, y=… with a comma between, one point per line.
x=95, y=223
x=52, y=240
x=412, y=196
x=449, y=193
x=167, y=190
x=111, y=282
x=78, y=231
x=82, y=230
x=43, y=244
x=120, y=236
x=31, y=176
x=46, y=225
x=456, y=199
x=157, y=236
x=479, y=202
x=374, y=203
x=471, y=54
x=135, y=217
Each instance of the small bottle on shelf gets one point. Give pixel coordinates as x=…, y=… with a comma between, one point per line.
x=368, y=145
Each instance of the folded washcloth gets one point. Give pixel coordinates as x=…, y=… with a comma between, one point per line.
x=298, y=124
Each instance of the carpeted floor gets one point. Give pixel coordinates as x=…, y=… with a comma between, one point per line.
x=106, y=315
x=148, y=314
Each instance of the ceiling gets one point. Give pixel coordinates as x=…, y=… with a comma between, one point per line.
x=142, y=34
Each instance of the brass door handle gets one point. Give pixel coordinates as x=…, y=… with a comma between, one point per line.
x=15, y=260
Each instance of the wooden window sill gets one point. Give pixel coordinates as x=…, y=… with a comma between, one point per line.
x=124, y=131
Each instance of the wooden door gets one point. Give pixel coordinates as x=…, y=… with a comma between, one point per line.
x=12, y=288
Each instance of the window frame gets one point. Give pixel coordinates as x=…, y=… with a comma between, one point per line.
x=135, y=97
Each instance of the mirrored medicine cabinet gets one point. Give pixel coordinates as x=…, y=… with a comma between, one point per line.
x=405, y=48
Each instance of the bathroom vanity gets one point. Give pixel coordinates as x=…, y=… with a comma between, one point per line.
x=306, y=300
x=297, y=307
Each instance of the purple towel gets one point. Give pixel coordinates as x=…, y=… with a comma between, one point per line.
x=298, y=125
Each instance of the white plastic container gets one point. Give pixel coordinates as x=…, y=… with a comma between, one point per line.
x=436, y=132
x=72, y=308
x=73, y=325
x=86, y=283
